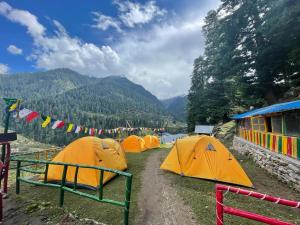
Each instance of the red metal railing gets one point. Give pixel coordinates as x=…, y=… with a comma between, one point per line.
x=221, y=208
x=4, y=167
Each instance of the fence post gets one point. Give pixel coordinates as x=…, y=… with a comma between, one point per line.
x=46, y=173
x=75, y=178
x=63, y=182
x=17, y=177
x=127, y=199
x=219, y=206
x=101, y=185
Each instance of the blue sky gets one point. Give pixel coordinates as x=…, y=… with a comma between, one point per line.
x=152, y=43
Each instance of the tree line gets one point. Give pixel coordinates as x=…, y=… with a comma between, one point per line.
x=251, y=58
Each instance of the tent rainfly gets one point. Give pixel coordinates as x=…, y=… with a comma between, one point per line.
x=91, y=151
x=207, y=158
x=133, y=143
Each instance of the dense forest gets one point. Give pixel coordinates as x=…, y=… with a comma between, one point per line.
x=251, y=58
x=92, y=102
x=176, y=106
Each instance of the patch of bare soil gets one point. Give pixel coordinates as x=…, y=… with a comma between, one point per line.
x=31, y=213
x=159, y=204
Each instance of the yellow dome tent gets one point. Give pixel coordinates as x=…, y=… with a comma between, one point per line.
x=151, y=141
x=133, y=143
x=91, y=151
x=205, y=157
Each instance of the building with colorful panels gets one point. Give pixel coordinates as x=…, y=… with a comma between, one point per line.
x=275, y=127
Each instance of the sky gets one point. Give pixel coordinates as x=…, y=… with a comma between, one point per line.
x=151, y=42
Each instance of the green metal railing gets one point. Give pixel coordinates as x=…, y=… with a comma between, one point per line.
x=62, y=185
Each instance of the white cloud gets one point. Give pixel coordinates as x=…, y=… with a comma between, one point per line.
x=105, y=22
x=162, y=58
x=3, y=69
x=159, y=58
x=14, y=50
x=61, y=50
x=22, y=17
x=132, y=14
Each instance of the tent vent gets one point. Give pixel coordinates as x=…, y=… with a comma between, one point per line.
x=210, y=147
x=105, y=146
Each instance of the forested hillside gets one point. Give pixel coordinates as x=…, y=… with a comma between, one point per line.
x=66, y=95
x=176, y=107
x=251, y=58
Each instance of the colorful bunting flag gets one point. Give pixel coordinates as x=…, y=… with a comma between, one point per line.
x=31, y=116
x=23, y=113
x=70, y=128
x=92, y=132
x=58, y=124
x=78, y=129
x=47, y=121
x=14, y=105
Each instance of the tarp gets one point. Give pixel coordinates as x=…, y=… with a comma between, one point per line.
x=170, y=138
x=205, y=157
x=91, y=151
x=269, y=109
x=204, y=129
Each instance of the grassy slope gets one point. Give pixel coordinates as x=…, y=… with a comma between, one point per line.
x=43, y=202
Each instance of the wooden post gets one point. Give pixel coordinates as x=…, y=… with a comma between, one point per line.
x=6, y=162
x=283, y=124
x=5, y=132
x=17, y=177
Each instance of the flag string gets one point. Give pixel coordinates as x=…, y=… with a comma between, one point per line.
x=19, y=112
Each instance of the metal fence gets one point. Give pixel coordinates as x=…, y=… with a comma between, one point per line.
x=23, y=164
x=222, y=209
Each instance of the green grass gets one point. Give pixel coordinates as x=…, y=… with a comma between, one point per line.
x=200, y=196
x=36, y=197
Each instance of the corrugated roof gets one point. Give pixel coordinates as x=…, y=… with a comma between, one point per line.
x=203, y=129
x=269, y=109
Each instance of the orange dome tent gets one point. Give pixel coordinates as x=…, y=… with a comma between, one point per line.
x=151, y=141
x=91, y=151
x=133, y=143
x=205, y=157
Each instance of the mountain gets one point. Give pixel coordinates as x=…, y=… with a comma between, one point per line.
x=93, y=102
x=176, y=106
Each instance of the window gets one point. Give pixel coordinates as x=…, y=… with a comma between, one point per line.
x=268, y=124
x=292, y=123
x=245, y=124
x=258, y=123
x=276, y=124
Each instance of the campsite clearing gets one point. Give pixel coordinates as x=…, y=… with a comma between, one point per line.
x=39, y=205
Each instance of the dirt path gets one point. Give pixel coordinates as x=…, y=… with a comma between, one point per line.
x=159, y=203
